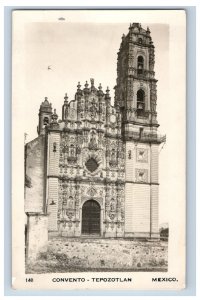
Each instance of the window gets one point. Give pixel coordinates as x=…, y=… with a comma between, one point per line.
x=91, y=165
x=140, y=102
x=46, y=120
x=54, y=147
x=140, y=64
x=140, y=40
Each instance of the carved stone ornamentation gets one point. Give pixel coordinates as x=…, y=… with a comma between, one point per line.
x=97, y=148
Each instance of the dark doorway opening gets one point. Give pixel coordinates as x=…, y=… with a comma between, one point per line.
x=91, y=212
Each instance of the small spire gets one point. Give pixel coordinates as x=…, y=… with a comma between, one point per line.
x=100, y=92
x=54, y=117
x=107, y=96
x=86, y=89
x=86, y=84
x=79, y=91
x=46, y=102
x=107, y=91
x=92, y=81
x=79, y=86
x=148, y=30
x=66, y=98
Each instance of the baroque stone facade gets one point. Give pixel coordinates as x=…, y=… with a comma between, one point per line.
x=99, y=163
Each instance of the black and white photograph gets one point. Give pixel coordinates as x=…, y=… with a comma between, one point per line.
x=99, y=119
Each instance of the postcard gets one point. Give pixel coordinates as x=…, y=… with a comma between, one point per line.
x=98, y=149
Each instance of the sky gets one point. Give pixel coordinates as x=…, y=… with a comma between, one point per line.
x=85, y=46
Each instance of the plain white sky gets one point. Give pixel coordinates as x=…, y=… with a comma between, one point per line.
x=85, y=46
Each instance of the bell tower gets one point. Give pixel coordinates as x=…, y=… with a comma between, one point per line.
x=136, y=97
x=45, y=113
x=135, y=92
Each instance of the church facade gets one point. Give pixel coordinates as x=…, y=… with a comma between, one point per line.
x=95, y=171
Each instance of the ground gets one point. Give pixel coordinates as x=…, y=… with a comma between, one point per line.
x=87, y=254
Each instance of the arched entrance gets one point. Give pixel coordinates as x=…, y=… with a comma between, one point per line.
x=91, y=212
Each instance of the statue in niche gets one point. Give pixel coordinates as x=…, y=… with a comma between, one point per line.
x=113, y=154
x=93, y=142
x=72, y=150
x=113, y=158
x=72, y=154
x=70, y=203
x=112, y=204
x=93, y=109
x=64, y=203
x=153, y=106
x=100, y=108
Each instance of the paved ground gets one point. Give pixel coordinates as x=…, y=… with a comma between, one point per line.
x=75, y=255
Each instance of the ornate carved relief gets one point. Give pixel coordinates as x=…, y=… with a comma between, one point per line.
x=141, y=175
x=141, y=155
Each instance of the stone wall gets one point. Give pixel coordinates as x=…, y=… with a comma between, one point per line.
x=141, y=190
x=37, y=235
x=34, y=172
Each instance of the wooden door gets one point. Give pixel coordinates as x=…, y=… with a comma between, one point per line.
x=91, y=218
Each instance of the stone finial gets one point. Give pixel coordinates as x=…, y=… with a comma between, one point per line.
x=92, y=81
x=54, y=117
x=107, y=96
x=79, y=91
x=79, y=86
x=66, y=98
x=86, y=89
x=46, y=102
x=148, y=30
x=107, y=91
x=100, y=92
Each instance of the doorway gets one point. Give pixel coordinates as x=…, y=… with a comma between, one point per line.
x=91, y=212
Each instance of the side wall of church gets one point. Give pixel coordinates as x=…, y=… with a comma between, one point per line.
x=34, y=173
x=141, y=189
x=155, y=190
x=52, y=178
